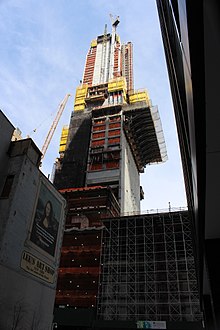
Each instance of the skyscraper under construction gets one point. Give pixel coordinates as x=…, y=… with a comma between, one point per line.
x=114, y=133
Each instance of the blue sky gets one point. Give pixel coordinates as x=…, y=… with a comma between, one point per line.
x=42, y=56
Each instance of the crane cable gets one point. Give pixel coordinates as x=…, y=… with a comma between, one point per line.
x=36, y=128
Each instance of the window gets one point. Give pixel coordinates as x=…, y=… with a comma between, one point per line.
x=7, y=186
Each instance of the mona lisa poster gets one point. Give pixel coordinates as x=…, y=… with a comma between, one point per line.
x=46, y=220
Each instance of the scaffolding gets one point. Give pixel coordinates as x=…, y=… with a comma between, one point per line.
x=148, y=270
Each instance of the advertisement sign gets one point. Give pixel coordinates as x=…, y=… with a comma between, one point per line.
x=46, y=220
x=37, y=267
x=151, y=325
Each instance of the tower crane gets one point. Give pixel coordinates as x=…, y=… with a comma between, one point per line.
x=54, y=125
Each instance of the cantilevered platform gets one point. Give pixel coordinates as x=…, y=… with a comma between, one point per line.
x=144, y=133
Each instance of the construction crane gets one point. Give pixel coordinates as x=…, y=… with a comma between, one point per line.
x=54, y=125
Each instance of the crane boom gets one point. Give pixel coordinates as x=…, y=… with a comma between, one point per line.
x=54, y=125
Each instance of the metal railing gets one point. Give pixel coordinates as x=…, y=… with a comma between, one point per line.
x=152, y=211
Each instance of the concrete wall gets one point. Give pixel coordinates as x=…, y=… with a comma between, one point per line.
x=130, y=180
x=72, y=173
x=28, y=273
x=98, y=177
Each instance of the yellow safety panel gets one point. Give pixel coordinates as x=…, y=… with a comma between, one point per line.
x=62, y=148
x=65, y=131
x=117, y=84
x=139, y=96
x=93, y=43
x=81, y=93
x=63, y=139
x=79, y=101
x=79, y=107
x=64, y=134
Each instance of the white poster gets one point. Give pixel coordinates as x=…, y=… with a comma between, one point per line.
x=46, y=220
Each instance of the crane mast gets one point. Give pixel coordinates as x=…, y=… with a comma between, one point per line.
x=54, y=125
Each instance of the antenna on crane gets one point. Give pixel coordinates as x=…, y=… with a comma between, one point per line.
x=54, y=125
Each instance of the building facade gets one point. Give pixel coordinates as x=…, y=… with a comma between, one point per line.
x=32, y=223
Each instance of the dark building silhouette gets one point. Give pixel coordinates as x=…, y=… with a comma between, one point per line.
x=190, y=32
